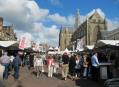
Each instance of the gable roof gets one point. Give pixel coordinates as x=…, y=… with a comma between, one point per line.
x=99, y=11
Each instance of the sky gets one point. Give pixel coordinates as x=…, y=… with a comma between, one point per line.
x=44, y=18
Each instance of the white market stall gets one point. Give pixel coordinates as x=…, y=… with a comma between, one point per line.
x=89, y=47
x=101, y=43
x=111, y=47
x=3, y=45
x=7, y=43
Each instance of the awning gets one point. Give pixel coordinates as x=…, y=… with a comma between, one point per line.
x=7, y=43
x=50, y=49
x=50, y=52
x=101, y=43
x=89, y=47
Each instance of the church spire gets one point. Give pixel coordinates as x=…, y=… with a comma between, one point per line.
x=77, y=19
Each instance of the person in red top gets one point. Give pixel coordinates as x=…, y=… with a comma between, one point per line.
x=50, y=65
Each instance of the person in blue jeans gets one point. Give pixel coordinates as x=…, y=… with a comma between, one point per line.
x=5, y=60
x=85, y=65
x=16, y=66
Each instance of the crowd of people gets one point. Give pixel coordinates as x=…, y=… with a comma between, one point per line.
x=68, y=65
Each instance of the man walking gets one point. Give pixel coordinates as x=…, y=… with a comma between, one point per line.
x=65, y=65
x=16, y=65
x=95, y=66
x=5, y=60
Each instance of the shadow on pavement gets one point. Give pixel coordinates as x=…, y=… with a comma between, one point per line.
x=88, y=83
x=46, y=74
x=19, y=84
x=58, y=76
x=1, y=84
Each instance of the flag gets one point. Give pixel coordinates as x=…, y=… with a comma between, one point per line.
x=22, y=43
x=25, y=41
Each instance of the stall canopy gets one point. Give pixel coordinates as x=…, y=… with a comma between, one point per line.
x=101, y=43
x=51, y=52
x=89, y=47
x=7, y=43
x=51, y=48
x=56, y=48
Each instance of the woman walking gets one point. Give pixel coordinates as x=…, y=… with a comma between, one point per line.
x=38, y=65
x=77, y=66
x=85, y=65
x=50, y=65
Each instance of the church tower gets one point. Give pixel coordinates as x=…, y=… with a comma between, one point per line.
x=1, y=23
x=77, y=19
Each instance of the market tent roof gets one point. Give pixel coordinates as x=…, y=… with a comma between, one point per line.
x=51, y=48
x=90, y=47
x=51, y=52
x=66, y=50
x=101, y=43
x=82, y=49
x=30, y=50
x=7, y=43
x=56, y=48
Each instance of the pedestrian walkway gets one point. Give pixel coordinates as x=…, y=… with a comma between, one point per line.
x=28, y=79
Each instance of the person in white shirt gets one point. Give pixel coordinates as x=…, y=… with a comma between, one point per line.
x=95, y=66
x=2, y=68
x=5, y=60
x=38, y=64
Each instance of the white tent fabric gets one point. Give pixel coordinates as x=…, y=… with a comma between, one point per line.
x=2, y=68
x=107, y=42
x=66, y=50
x=90, y=47
x=7, y=43
x=56, y=48
x=51, y=48
x=82, y=49
x=50, y=52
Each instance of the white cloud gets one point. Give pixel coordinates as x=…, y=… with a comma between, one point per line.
x=36, y=12
x=22, y=13
x=46, y=34
x=62, y=20
x=57, y=18
x=56, y=2
x=27, y=16
x=112, y=23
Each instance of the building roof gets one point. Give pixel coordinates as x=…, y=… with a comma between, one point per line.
x=99, y=11
x=114, y=31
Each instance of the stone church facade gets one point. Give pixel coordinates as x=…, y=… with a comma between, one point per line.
x=87, y=33
x=65, y=37
x=90, y=30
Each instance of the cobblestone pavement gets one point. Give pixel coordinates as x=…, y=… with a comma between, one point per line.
x=28, y=79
